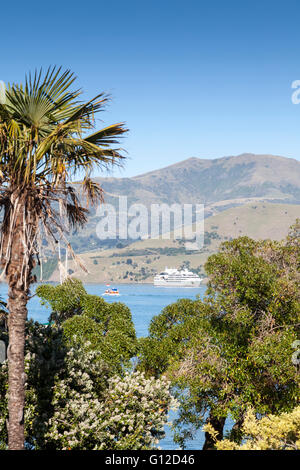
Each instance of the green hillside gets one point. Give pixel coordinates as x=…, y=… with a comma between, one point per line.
x=142, y=259
x=218, y=183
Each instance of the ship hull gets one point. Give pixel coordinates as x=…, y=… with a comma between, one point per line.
x=187, y=283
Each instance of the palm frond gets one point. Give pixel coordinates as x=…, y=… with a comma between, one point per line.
x=107, y=136
x=89, y=109
x=44, y=146
x=93, y=191
x=76, y=215
x=43, y=101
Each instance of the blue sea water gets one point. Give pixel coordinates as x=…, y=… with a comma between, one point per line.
x=144, y=301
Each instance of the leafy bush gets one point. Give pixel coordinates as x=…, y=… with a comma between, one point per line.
x=233, y=349
x=80, y=393
x=268, y=433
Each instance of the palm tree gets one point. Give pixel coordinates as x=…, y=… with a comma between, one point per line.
x=43, y=148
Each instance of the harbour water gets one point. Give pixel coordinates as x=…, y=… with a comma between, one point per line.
x=144, y=301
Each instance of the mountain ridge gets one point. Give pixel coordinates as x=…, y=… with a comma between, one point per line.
x=226, y=157
x=207, y=181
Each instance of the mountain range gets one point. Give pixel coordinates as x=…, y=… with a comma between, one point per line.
x=207, y=181
x=218, y=183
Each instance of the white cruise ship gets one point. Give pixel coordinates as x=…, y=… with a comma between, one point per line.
x=175, y=278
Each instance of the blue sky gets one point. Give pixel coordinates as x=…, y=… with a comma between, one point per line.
x=191, y=78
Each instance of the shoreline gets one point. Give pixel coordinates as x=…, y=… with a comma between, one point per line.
x=204, y=282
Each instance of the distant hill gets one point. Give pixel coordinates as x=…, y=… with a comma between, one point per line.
x=142, y=259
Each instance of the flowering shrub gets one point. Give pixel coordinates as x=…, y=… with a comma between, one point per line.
x=127, y=414
x=74, y=402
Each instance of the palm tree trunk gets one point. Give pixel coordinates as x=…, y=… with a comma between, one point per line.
x=16, y=378
x=19, y=278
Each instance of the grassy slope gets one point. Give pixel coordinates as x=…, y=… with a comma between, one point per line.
x=256, y=220
x=218, y=183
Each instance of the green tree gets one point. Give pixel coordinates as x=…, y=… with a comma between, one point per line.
x=233, y=349
x=43, y=147
x=88, y=319
x=80, y=391
x=268, y=433
x=75, y=400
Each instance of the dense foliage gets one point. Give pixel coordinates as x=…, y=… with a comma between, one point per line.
x=107, y=328
x=269, y=433
x=233, y=349
x=80, y=391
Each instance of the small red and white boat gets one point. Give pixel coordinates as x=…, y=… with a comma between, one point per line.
x=113, y=291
